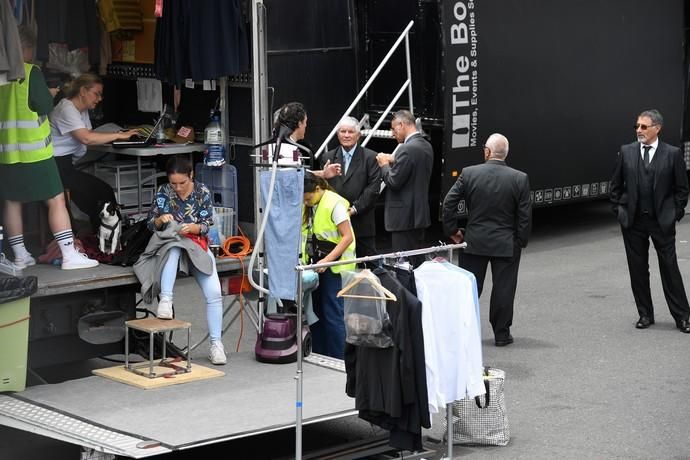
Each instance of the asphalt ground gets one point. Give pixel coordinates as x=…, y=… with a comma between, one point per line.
x=581, y=381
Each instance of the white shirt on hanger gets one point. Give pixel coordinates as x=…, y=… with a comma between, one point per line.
x=452, y=334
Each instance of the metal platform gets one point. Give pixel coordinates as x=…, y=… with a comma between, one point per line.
x=251, y=399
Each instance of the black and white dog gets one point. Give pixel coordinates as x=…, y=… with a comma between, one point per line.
x=110, y=228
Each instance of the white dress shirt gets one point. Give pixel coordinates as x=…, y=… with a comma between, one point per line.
x=652, y=151
x=452, y=336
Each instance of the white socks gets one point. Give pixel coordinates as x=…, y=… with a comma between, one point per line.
x=18, y=248
x=65, y=240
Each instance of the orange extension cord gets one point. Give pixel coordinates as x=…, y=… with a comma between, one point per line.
x=238, y=247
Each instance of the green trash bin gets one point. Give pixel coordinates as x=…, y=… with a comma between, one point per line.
x=14, y=330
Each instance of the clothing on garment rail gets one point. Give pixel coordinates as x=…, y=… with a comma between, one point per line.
x=452, y=335
x=389, y=384
x=283, y=231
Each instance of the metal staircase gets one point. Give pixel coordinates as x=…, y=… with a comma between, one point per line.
x=375, y=131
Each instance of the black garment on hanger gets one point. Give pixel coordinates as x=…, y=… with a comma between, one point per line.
x=200, y=40
x=389, y=384
x=72, y=22
x=405, y=276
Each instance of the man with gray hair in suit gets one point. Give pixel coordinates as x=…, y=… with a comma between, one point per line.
x=498, y=225
x=359, y=182
x=649, y=192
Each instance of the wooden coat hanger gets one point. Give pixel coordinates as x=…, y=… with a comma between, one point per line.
x=373, y=281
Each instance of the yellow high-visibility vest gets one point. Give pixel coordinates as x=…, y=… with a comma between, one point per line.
x=24, y=135
x=326, y=230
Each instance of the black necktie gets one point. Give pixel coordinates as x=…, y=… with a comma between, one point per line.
x=645, y=157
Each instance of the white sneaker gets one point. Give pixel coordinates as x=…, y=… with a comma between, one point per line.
x=22, y=262
x=217, y=354
x=165, y=310
x=77, y=260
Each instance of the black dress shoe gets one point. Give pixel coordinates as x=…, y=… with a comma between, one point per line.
x=683, y=325
x=644, y=322
x=504, y=342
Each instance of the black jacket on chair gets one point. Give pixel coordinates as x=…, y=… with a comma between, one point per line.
x=670, y=185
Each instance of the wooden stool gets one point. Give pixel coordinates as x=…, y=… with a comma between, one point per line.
x=153, y=326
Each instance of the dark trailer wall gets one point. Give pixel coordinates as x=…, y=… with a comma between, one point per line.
x=563, y=80
x=310, y=58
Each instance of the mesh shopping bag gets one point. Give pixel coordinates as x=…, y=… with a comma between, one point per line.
x=483, y=420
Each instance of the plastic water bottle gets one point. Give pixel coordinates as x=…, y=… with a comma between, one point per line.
x=214, y=138
x=214, y=240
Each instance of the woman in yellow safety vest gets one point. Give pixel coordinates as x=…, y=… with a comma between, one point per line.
x=28, y=171
x=327, y=236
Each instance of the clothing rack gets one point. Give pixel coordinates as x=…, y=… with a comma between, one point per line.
x=298, y=377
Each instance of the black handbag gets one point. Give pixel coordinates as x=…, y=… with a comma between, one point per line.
x=320, y=248
x=317, y=249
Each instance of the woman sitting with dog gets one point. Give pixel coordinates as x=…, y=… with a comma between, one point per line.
x=180, y=217
x=71, y=130
x=328, y=237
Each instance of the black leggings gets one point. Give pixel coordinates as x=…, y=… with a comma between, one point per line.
x=88, y=192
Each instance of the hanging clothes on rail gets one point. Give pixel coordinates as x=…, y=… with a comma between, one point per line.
x=404, y=274
x=283, y=229
x=452, y=335
x=73, y=24
x=11, y=59
x=389, y=384
x=200, y=40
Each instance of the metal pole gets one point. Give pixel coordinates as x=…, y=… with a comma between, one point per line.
x=391, y=255
x=409, y=71
x=449, y=431
x=298, y=376
x=224, y=114
x=259, y=97
x=261, y=128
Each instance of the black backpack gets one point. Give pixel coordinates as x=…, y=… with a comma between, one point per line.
x=134, y=239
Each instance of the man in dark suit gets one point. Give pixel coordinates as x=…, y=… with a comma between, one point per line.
x=359, y=183
x=649, y=192
x=406, y=174
x=498, y=227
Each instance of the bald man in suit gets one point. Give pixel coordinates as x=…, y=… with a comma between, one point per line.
x=498, y=227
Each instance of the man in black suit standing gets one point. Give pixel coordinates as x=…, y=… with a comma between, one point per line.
x=406, y=174
x=498, y=227
x=359, y=183
x=649, y=192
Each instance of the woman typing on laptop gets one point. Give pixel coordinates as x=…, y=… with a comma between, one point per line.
x=72, y=132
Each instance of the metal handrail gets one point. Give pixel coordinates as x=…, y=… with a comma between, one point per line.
x=405, y=85
x=403, y=36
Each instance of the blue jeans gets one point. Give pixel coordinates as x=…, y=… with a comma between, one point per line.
x=328, y=333
x=283, y=231
x=209, y=284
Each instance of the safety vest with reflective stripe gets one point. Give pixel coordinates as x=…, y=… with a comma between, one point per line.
x=326, y=230
x=24, y=135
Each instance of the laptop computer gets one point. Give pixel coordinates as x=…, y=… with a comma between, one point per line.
x=148, y=140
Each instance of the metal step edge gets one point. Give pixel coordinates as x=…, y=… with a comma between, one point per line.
x=326, y=361
x=378, y=133
x=52, y=424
